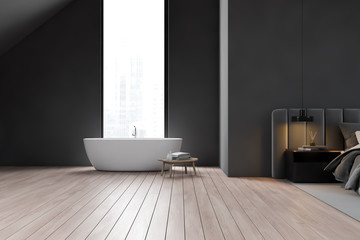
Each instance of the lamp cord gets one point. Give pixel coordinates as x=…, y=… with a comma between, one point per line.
x=302, y=51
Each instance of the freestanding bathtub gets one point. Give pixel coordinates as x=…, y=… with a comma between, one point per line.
x=129, y=154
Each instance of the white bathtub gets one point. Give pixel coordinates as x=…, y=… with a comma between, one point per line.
x=129, y=154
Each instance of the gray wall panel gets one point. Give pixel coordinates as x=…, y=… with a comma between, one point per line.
x=331, y=50
x=334, y=138
x=352, y=115
x=279, y=142
x=263, y=76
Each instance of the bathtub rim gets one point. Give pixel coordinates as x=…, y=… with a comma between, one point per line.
x=131, y=139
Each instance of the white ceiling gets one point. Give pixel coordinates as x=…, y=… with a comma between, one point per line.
x=18, y=18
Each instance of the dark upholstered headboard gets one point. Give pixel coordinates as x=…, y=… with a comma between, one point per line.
x=291, y=135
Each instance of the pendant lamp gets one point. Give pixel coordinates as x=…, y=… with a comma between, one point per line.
x=302, y=117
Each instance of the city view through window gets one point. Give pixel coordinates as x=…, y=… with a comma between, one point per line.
x=133, y=68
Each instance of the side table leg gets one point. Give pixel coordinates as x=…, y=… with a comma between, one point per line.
x=194, y=168
x=171, y=169
x=185, y=168
x=162, y=168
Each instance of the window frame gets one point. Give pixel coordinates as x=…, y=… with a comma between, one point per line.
x=166, y=66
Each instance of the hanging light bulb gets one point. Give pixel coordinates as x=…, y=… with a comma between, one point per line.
x=302, y=117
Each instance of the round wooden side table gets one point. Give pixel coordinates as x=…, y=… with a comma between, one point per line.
x=172, y=162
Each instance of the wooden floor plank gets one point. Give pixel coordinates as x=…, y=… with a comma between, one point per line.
x=264, y=226
x=159, y=218
x=14, y=175
x=50, y=215
x=125, y=221
x=9, y=175
x=85, y=227
x=193, y=225
x=32, y=176
x=226, y=221
x=24, y=191
x=60, y=214
x=275, y=204
x=243, y=221
x=42, y=202
x=76, y=215
x=210, y=223
x=268, y=212
x=102, y=230
x=175, y=227
x=143, y=218
x=81, y=203
x=28, y=197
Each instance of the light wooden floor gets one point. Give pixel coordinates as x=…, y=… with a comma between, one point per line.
x=79, y=203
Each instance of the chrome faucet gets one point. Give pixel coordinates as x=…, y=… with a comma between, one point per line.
x=134, y=132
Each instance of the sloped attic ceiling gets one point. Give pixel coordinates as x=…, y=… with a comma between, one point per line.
x=18, y=18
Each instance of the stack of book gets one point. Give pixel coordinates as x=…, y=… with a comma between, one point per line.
x=312, y=148
x=180, y=156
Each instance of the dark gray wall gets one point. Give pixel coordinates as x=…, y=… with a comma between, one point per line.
x=50, y=90
x=194, y=77
x=332, y=53
x=50, y=94
x=18, y=18
x=263, y=69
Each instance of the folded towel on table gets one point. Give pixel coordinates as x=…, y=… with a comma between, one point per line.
x=180, y=156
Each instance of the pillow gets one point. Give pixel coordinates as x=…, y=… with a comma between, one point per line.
x=354, y=147
x=348, y=131
x=357, y=134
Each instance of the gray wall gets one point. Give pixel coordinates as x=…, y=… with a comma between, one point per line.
x=224, y=88
x=263, y=69
x=18, y=18
x=194, y=77
x=50, y=94
x=332, y=50
x=50, y=90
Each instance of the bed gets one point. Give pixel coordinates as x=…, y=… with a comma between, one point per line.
x=337, y=129
x=346, y=167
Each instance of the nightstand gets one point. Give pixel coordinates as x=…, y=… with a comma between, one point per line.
x=308, y=166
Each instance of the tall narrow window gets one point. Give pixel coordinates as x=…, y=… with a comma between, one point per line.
x=134, y=68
